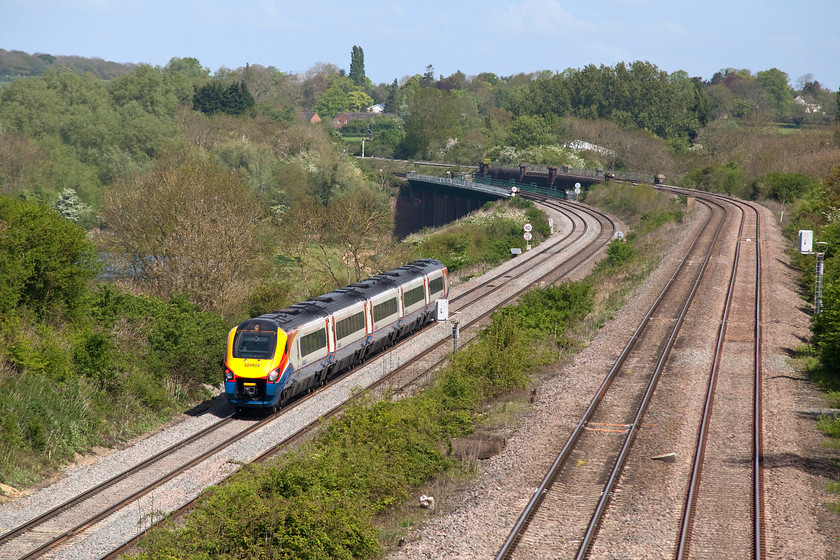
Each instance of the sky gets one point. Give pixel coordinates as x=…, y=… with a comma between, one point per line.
x=401, y=38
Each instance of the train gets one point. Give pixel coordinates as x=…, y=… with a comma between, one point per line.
x=277, y=356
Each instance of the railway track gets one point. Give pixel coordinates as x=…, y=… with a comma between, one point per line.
x=149, y=489
x=583, y=509
x=723, y=515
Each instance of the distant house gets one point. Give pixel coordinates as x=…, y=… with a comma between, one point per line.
x=377, y=109
x=809, y=107
x=343, y=118
x=310, y=116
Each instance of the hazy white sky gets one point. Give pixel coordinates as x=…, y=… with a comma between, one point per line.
x=401, y=38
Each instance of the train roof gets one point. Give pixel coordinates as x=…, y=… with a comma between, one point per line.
x=332, y=302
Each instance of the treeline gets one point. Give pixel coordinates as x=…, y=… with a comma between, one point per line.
x=18, y=64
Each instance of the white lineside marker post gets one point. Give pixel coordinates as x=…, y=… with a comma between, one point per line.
x=806, y=247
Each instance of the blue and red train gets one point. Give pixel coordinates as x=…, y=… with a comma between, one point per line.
x=274, y=357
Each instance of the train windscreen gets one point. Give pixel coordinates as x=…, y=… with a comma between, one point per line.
x=254, y=344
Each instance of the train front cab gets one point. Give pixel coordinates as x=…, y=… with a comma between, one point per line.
x=255, y=363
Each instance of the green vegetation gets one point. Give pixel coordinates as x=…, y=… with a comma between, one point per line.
x=815, y=207
x=213, y=98
x=82, y=367
x=484, y=238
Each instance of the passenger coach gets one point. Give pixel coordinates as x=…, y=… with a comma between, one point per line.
x=276, y=356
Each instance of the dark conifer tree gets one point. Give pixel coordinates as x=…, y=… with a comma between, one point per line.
x=357, y=66
x=233, y=100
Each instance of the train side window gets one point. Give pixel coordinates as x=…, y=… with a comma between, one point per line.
x=436, y=285
x=385, y=309
x=413, y=295
x=350, y=325
x=312, y=342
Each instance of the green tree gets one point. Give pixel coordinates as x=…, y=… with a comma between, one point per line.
x=234, y=99
x=46, y=260
x=189, y=67
x=433, y=117
x=357, y=66
x=147, y=86
x=527, y=131
x=837, y=113
x=332, y=102
x=428, y=79
x=77, y=109
x=775, y=83
x=786, y=187
x=358, y=101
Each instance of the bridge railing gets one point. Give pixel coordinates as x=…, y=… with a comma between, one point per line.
x=504, y=188
x=527, y=187
x=496, y=190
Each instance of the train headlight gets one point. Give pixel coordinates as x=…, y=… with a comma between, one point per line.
x=273, y=375
x=228, y=375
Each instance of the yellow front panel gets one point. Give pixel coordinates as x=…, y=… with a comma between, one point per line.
x=254, y=368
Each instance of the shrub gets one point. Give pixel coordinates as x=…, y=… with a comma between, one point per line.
x=186, y=343
x=729, y=178
x=785, y=187
x=619, y=252
x=552, y=309
x=46, y=260
x=43, y=425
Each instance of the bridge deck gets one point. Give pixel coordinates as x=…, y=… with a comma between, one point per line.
x=486, y=185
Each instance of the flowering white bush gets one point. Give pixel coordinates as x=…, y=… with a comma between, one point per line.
x=545, y=155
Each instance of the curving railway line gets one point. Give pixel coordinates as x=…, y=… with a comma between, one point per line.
x=592, y=499
x=123, y=500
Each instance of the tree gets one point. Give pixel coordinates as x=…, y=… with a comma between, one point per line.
x=365, y=228
x=46, y=260
x=211, y=98
x=342, y=250
x=527, y=131
x=357, y=67
x=432, y=117
x=837, y=114
x=358, y=101
x=186, y=227
x=332, y=102
x=147, y=86
x=69, y=206
x=23, y=163
x=189, y=67
x=786, y=187
x=775, y=83
x=428, y=78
